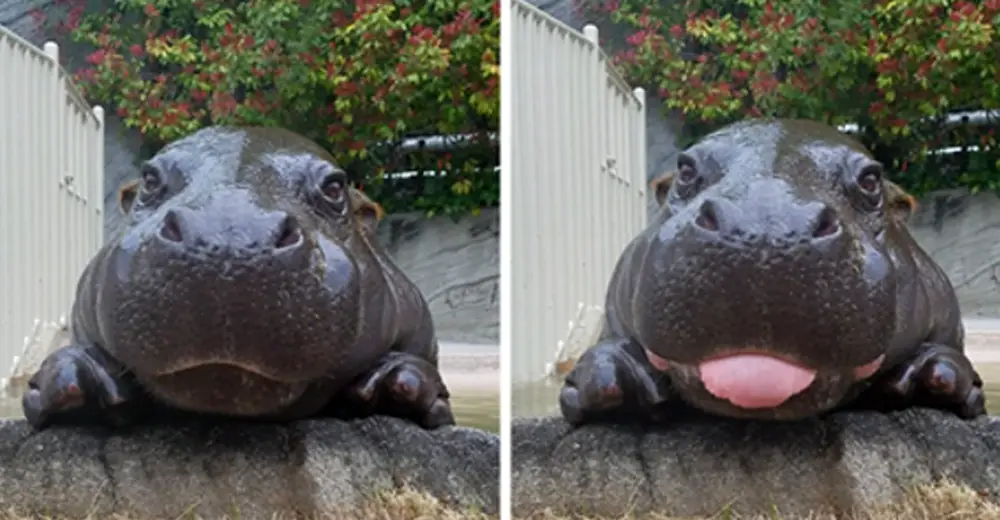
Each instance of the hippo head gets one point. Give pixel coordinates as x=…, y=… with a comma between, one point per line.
x=242, y=267
x=766, y=285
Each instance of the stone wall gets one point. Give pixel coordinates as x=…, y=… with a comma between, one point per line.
x=457, y=267
x=962, y=232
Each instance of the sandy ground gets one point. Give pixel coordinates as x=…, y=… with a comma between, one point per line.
x=470, y=368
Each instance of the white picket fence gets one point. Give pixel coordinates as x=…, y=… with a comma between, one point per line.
x=51, y=191
x=578, y=185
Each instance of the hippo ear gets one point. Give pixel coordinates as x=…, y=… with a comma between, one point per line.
x=661, y=186
x=126, y=196
x=901, y=205
x=367, y=211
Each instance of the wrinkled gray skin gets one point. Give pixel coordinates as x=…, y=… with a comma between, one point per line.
x=248, y=284
x=767, y=242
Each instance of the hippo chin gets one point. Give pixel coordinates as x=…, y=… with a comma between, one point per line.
x=777, y=281
x=247, y=284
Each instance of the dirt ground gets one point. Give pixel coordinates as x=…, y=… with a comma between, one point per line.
x=944, y=502
x=407, y=505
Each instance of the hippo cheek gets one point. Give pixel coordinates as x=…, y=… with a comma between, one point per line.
x=123, y=256
x=339, y=269
x=758, y=385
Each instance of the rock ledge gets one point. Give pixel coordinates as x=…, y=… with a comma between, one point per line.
x=253, y=470
x=835, y=464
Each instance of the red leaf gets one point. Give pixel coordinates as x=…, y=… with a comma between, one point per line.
x=96, y=57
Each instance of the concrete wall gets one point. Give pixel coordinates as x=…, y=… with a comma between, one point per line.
x=457, y=267
x=962, y=233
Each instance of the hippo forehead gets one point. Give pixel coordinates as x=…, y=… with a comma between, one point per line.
x=802, y=153
x=263, y=160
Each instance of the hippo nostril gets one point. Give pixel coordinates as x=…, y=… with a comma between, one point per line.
x=707, y=216
x=171, y=228
x=289, y=234
x=827, y=224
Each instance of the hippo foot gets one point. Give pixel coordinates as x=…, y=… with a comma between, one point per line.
x=612, y=380
x=79, y=385
x=938, y=376
x=405, y=386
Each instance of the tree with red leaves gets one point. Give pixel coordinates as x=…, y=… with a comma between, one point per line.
x=896, y=68
x=358, y=76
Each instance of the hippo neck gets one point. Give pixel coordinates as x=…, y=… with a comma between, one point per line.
x=927, y=306
x=386, y=292
x=621, y=290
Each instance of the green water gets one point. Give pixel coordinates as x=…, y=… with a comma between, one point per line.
x=477, y=411
x=541, y=398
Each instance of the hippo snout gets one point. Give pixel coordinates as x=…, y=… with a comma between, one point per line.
x=762, y=301
x=274, y=233
x=791, y=223
x=228, y=282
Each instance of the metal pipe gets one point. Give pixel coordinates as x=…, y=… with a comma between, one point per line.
x=968, y=117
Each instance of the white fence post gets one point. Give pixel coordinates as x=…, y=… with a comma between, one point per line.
x=577, y=185
x=51, y=193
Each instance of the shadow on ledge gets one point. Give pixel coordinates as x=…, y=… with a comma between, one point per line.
x=838, y=464
x=253, y=470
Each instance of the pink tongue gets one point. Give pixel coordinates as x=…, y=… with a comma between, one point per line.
x=754, y=380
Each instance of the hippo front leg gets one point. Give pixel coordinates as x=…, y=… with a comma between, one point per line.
x=81, y=385
x=613, y=380
x=403, y=385
x=936, y=376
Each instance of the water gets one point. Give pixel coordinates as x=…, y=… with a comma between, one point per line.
x=478, y=411
x=541, y=398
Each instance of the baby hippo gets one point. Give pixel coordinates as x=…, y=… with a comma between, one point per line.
x=777, y=281
x=247, y=284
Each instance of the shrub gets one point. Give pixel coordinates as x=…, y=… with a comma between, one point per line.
x=894, y=67
x=358, y=76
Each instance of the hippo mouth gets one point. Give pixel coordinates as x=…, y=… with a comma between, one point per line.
x=753, y=380
x=200, y=365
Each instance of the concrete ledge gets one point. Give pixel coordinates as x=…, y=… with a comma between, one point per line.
x=837, y=464
x=242, y=470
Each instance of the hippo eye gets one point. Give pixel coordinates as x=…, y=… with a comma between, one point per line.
x=152, y=181
x=333, y=188
x=870, y=180
x=686, y=174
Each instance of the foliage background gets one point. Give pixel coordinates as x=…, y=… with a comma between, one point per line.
x=894, y=67
x=357, y=76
